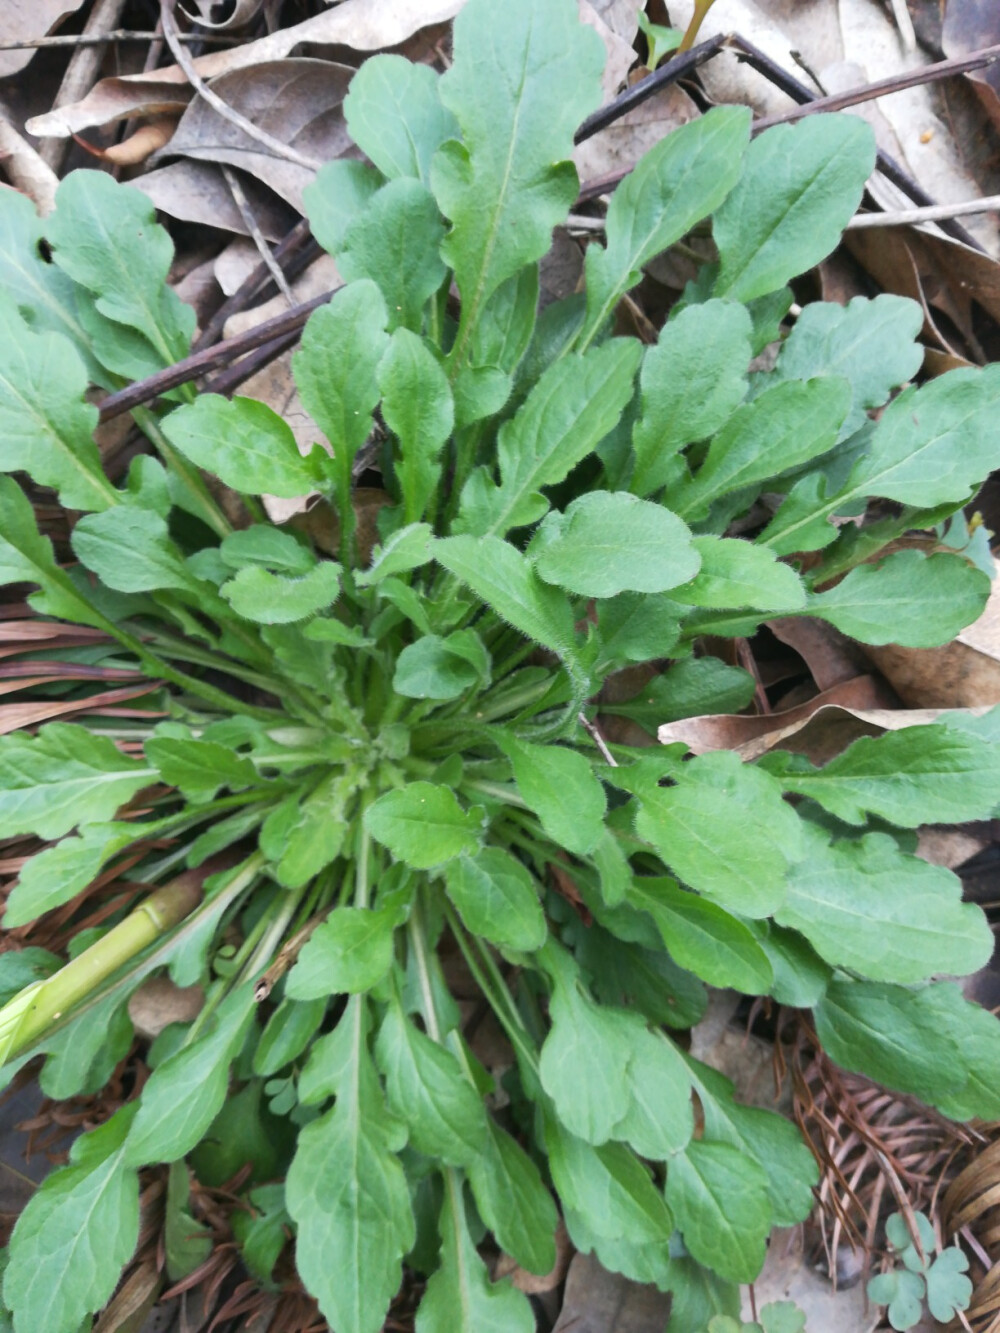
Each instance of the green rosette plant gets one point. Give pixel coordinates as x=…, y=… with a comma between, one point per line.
x=353, y=767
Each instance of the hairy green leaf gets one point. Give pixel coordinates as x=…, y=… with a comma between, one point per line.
x=518, y=96
x=610, y=542
x=565, y=416
x=870, y=343
x=395, y=243
x=58, y=873
x=106, y=237
x=932, y=774
x=868, y=907
x=513, y=1201
x=347, y=1192
x=504, y=578
x=46, y=426
x=702, y=937
x=424, y=826
x=800, y=186
x=735, y=573
x=659, y=1121
x=719, y=1200
x=337, y=197
x=82, y=1224
x=395, y=116
x=441, y=668
x=199, y=767
x=460, y=1298
x=426, y=1088
x=279, y=599
x=497, y=898
x=335, y=370
x=691, y=382
x=348, y=952
x=725, y=831
x=916, y=600
x=186, y=1092
x=676, y=184
x=418, y=408
x=560, y=786
x=62, y=777
x=785, y=426
x=245, y=443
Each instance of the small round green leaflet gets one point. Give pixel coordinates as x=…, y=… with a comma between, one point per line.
x=390, y=748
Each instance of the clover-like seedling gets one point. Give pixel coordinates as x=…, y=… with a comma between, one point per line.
x=940, y=1281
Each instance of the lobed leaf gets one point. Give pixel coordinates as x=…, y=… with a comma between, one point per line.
x=347, y=1193
x=423, y=825
x=720, y=1202
x=497, y=898
x=521, y=81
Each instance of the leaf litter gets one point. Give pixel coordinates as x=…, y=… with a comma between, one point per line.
x=298, y=100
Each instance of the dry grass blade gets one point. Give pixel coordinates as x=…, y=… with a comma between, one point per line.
x=971, y=1206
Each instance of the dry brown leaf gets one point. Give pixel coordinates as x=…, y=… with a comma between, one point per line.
x=25, y=168
x=197, y=192
x=15, y=716
x=24, y=20
x=952, y=847
x=534, y=1284
x=243, y=12
x=296, y=101
x=597, y=1301
x=962, y=674
x=159, y=1002
x=752, y=736
x=235, y=264
x=363, y=25
x=616, y=22
x=620, y=146
x=969, y=25
x=141, y=146
x=831, y=657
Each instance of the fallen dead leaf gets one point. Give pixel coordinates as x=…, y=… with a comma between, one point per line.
x=534, y=1284
x=831, y=657
x=962, y=674
x=159, y=1002
x=621, y=145
x=951, y=847
x=362, y=25
x=616, y=22
x=243, y=12
x=969, y=25
x=25, y=168
x=24, y=20
x=296, y=101
x=597, y=1301
x=197, y=192
x=752, y=736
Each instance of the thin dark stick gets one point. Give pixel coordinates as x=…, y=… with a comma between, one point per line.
x=230, y=379
x=889, y=167
x=640, y=92
x=209, y=358
x=115, y=35
x=943, y=69
x=283, y=254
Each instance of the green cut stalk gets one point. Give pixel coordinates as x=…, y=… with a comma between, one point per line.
x=24, y=1019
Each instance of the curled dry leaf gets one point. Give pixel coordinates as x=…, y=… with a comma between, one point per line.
x=971, y=1201
x=822, y=727
x=621, y=145
x=535, y=1284
x=24, y=20
x=26, y=169
x=243, y=12
x=597, y=1301
x=296, y=101
x=363, y=25
x=970, y=25
x=962, y=674
x=831, y=657
x=616, y=22
x=197, y=192
x=138, y=147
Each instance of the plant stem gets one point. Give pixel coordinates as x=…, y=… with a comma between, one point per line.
x=495, y=990
x=198, y=493
x=24, y=1020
